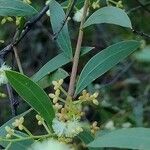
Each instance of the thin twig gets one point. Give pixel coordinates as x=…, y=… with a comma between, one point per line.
x=117, y=76
x=77, y=51
x=141, y=33
x=18, y=60
x=13, y=103
x=28, y=26
x=138, y=7
x=143, y=6
x=65, y=20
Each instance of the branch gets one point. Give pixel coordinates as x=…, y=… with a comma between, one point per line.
x=141, y=33
x=18, y=60
x=13, y=103
x=28, y=26
x=77, y=52
x=138, y=7
x=143, y=6
x=117, y=76
x=65, y=20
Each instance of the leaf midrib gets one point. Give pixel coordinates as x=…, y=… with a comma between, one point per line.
x=97, y=66
x=33, y=95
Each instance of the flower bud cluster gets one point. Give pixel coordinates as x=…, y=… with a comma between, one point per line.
x=86, y=97
x=3, y=78
x=119, y=4
x=96, y=4
x=94, y=127
x=67, y=123
x=40, y=119
x=10, y=132
x=19, y=123
x=55, y=96
x=6, y=19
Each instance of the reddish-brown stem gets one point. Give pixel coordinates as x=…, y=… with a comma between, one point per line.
x=77, y=52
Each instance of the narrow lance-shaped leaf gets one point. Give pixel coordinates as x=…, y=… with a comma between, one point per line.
x=104, y=61
x=85, y=50
x=16, y=8
x=133, y=138
x=111, y=15
x=57, y=17
x=32, y=94
x=51, y=66
x=55, y=63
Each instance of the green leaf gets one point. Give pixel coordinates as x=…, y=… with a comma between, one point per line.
x=85, y=50
x=57, y=17
x=86, y=137
x=111, y=15
x=54, y=76
x=32, y=94
x=51, y=66
x=16, y=8
x=55, y=63
x=133, y=138
x=103, y=61
x=17, y=145
x=143, y=55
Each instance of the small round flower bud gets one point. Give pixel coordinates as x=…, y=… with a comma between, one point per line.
x=10, y=19
x=55, y=100
x=8, y=136
x=3, y=21
x=9, y=131
x=95, y=4
x=57, y=106
x=51, y=95
x=95, y=94
x=57, y=93
x=95, y=101
x=60, y=81
x=54, y=83
x=19, y=123
x=39, y=123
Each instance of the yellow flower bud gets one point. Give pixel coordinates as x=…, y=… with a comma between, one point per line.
x=10, y=19
x=54, y=83
x=55, y=100
x=8, y=136
x=60, y=81
x=95, y=101
x=51, y=95
x=39, y=123
x=95, y=95
x=57, y=93
x=3, y=21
